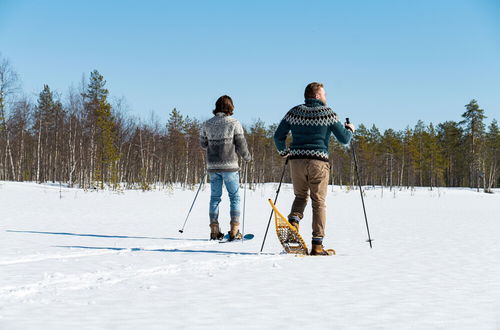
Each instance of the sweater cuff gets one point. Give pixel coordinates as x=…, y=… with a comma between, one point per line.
x=284, y=153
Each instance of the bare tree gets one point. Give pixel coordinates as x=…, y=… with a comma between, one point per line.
x=9, y=85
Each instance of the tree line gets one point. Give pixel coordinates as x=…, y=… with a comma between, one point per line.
x=85, y=140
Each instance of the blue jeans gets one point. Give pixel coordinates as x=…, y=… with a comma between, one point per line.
x=232, y=182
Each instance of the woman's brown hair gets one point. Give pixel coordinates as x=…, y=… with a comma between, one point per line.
x=225, y=105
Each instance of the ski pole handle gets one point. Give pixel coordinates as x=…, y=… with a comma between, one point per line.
x=347, y=122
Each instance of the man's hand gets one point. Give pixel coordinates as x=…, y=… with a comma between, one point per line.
x=284, y=153
x=350, y=127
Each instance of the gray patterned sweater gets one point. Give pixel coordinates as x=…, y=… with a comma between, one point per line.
x=223, y=138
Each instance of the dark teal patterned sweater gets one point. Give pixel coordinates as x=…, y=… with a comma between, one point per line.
x=311, y=124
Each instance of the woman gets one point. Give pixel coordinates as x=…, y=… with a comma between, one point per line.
x=223, y=138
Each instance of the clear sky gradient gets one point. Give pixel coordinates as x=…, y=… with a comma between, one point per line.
x=387, y=63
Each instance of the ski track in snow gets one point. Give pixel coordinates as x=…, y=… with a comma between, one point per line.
x=94, y=280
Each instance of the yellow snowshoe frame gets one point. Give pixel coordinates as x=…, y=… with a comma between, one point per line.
x=288, y=236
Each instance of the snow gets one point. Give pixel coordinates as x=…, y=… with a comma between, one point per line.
x=106, y=260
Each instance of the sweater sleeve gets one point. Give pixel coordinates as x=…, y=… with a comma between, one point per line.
x=203, y=138
x=241, y=143
x=342, y=134
x=280, y=137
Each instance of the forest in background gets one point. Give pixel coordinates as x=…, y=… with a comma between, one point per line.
x=83, y=139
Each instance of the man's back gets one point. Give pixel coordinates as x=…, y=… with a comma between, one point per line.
x=311, y=125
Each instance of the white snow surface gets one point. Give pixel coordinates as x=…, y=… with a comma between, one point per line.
x=107, y=260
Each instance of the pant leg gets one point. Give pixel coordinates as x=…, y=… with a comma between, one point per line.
x=300, y=187
x=232, y=183
x=318, y=175
x=215, y=196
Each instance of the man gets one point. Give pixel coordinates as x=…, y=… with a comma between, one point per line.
x=311, y=125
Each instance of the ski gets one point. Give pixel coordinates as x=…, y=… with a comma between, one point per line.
x=247, y=237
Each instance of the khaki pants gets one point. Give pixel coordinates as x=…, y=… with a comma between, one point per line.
x=310, y=175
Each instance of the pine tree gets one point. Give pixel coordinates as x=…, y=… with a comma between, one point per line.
x=433, y=157
x=365, y=157
x=417, y=151
x=176, y=146
x=450, y=139
x=406, y=160
x=41, y=126
x=474, y=130
x=106, y=152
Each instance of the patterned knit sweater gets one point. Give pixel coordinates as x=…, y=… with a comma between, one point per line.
x=223, y=138
x=311, y=124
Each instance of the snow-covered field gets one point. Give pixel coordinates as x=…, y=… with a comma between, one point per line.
x=104, y=260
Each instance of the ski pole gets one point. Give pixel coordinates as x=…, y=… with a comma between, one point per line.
x=195, y=197
x=244, y=197
x=275, y=200
x=360, y=191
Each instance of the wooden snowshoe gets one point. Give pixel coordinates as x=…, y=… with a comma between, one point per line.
x=288, y=235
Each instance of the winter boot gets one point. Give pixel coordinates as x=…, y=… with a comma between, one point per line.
x=234, y=233
x=318, y=250
x=295, y=224
x=215, y=233
x=294, y=221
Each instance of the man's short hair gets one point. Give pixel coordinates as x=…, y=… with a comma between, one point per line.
x=225, y=105
x=312, y=89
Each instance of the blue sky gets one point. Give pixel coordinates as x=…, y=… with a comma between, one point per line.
x=387, y=63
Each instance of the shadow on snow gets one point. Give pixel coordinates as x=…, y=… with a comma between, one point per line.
x=157, y=250
x=105, y=236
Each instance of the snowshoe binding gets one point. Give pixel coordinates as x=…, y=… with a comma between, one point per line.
x=288, y=234
x=292, y=238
